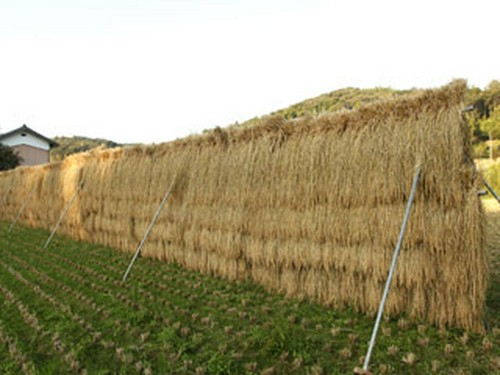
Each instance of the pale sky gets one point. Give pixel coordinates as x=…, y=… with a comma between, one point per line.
x=155, y=70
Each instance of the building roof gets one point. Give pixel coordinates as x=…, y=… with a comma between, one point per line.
x=25, y=129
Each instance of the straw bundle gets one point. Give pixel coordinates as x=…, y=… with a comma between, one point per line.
x=311, y=207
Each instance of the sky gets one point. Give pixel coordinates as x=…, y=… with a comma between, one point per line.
x=150, y=71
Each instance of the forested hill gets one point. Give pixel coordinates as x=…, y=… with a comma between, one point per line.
x=73, y=145
x=347, y=98
x=483, y=115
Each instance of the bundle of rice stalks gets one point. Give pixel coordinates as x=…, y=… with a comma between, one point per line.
x=311, y=207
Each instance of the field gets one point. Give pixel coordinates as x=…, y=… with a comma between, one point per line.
x=309, y=207
x=64, y=310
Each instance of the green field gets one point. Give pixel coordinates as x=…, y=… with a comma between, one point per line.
x=64, y=310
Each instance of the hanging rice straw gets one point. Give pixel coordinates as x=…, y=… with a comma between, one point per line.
x=21, y=210
x=155, y=218
x=62, y=215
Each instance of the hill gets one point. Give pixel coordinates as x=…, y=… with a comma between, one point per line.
x=482, y=102
x=481, y=116
x=73, y=145
x=343, y=99
x=347, y=98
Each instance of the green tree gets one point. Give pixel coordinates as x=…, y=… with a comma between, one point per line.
x=483, y=104
x=475, y=100
x=491, y=126
x=491, y=95
x=8, y=158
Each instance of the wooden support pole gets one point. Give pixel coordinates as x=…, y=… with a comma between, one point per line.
x=148, y=231
x=391, y=271
x=63, y=214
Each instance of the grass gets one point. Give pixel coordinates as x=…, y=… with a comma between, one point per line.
x=64, y=310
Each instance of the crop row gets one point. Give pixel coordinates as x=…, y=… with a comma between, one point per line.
x=65, y=309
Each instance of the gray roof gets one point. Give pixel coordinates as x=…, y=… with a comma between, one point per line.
x=25, y=129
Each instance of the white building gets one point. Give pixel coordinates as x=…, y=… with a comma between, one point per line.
x=31, y=146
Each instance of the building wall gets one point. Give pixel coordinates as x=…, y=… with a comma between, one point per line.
x=28, y=139
x=32, y=155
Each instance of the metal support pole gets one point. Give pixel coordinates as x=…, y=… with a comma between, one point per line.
x=21, y=210
x=148, y=231
x=391, y=271
x=488, y=186
x=65, y=211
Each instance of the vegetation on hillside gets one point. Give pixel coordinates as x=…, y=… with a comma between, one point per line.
x=483, y=115
x=343, y=99
x=73, y=145
x=65, y=310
